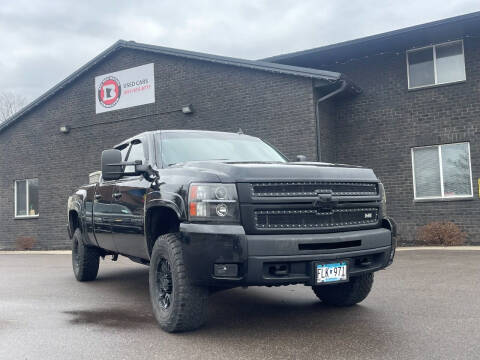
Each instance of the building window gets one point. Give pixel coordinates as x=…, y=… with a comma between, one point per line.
x=26, y=198
x=436, y=64
x=442, y=171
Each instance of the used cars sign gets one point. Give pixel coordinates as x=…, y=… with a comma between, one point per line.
x=126, y=88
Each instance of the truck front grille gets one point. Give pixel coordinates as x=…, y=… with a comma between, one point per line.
x=314, y=219
x=312, y=189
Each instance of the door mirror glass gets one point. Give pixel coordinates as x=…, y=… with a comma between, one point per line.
x=111, y=164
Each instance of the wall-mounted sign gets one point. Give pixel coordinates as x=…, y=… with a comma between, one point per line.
x=126, y=88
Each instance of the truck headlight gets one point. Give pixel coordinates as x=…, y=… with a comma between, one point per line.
x=213, y=202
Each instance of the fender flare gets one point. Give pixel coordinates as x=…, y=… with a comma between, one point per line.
x=158, y=205
x=169, y=199
x=161, y=203
x=75, y=204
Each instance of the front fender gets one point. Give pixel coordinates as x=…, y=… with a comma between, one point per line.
x=168, y=199
x=390, y=224
x=76, y=204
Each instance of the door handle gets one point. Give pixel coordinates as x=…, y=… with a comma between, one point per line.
x=117, y=195
x=98, y=196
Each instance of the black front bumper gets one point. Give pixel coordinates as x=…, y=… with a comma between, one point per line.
x=279, y=259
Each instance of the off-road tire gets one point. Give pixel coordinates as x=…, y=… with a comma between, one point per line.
x=187, y=309
x=85, y=259
x=345, y=294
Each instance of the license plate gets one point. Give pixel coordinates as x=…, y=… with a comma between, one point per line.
x=332, y=272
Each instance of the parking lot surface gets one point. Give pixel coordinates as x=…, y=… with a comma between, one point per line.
x=426, y=306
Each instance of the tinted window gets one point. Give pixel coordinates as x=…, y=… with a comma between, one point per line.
x=136, y=153
x=124, y=151
x=184, y=146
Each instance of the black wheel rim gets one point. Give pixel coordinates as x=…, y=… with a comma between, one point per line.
x=164, y=284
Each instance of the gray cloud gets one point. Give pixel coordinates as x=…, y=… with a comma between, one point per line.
x=45, y=41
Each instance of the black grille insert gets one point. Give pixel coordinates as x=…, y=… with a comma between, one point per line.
x=314, y=219
x=327, y=246
x=312, y=189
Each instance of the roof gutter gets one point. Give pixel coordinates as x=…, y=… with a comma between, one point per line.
x=343, y=86
x=471, y=17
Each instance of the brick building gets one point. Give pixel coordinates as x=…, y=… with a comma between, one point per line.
x=418, y=113
x=405, y=103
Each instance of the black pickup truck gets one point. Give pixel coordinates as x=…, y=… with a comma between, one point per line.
x=212, y=210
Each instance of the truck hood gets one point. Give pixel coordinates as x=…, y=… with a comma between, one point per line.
x=291, y=171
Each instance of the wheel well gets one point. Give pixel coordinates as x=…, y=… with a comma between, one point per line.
x=160, y=221
x=73, y=221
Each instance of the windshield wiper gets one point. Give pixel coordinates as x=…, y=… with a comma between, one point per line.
x=182, y=162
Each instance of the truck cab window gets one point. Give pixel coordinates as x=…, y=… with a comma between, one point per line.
x=136, y=153
x=124, y=151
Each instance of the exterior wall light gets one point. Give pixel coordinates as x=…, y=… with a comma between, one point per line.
x=187, y=109
x=65, y=129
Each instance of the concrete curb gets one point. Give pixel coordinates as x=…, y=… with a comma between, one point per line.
x=448, y=248
x=38, y=252
x=404, y=248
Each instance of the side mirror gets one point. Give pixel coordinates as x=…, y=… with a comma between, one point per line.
x=111, y=164
x=301, y=158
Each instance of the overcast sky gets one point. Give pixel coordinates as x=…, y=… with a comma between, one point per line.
x=42, y=42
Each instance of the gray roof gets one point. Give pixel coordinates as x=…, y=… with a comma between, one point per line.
x=471, y=18
x=122, y=44
x=251, y=64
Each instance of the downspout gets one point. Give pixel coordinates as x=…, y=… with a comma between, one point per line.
x=317, y=112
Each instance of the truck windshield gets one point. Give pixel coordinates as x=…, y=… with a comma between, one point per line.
x=181, y=147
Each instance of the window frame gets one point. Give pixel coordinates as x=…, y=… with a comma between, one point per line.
x=442, y=197
x=434, y=50
x=27, y=198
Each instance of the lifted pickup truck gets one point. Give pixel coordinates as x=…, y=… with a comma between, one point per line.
x=213, y=210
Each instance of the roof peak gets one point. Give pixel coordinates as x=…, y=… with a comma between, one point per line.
x=328, y=76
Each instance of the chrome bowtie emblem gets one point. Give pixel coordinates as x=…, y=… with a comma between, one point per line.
x=324, y=199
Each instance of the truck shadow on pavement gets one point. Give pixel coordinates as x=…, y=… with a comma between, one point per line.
x=252, y=312
x=120, y=318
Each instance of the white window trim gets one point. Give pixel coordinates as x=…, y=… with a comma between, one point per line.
x=442, y=197
x=27, y=200
x=434, y=47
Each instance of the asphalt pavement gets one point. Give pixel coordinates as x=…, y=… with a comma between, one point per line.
x=425, y=306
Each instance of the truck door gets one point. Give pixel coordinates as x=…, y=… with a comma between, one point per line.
x=103, y=215
x=103, y=210
x=128, y=199
x=89, y=198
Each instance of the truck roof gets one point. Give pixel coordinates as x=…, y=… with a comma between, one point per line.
x=180, y=131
